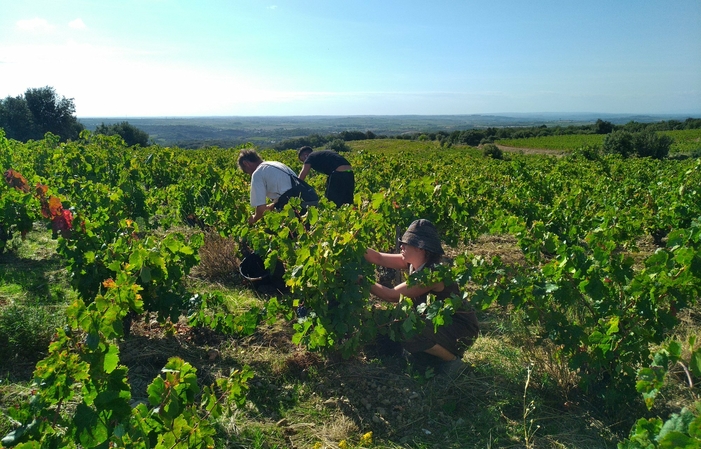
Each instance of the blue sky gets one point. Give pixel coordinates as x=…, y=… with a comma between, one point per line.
x=135, y=58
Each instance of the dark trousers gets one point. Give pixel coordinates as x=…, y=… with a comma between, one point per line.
x=456, y=337
x=340, y=187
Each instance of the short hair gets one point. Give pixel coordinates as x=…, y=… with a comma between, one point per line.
x=248, y=155
x=304, y=149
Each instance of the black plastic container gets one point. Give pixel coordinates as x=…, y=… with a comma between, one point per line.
x=253, y=269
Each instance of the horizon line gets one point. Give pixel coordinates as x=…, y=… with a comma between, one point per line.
x=484, y=114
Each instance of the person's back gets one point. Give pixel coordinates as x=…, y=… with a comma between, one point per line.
x=326, y=161
x=271, y=179
x=268, y=180
x=340, y=184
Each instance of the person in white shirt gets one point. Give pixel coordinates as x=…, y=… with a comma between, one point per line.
x=269, y=180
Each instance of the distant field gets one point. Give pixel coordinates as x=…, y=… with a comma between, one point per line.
x=567, y=142
x=392, y=145
x=684, y=141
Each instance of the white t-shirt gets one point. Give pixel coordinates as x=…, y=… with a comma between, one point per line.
x=270, y=180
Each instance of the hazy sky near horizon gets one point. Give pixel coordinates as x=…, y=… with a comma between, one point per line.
x=137, y=58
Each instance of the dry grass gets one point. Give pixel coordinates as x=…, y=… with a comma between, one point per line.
x=219, y=260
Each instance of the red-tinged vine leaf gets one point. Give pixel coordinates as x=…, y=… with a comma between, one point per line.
x=45, y=211
x=41, y=190
x=55, y=206
x=15, y=179
x=63, y=223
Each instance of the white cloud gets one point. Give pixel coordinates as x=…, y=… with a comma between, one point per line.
x=35, y=24
x=77, y=24
x=271, y=7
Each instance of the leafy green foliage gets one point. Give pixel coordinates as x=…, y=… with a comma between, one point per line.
x=131, y=134
x=653, y=378
x=646, y=143
x=682, y=430
x=83, y=366
x=492, y=151
x=651, y=144
x=337, y=145
x=576, y=221
x=589, y=301
x=603, y=127
x=38, y=112
x=619, y=142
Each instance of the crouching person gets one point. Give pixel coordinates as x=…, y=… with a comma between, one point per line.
x=443, y=348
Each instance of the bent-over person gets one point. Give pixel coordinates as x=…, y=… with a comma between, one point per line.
x=269, y=180
x=340, y=181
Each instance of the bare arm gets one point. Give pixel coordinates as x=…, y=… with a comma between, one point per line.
x=305, y=171
x=393, y=294
x=386, y=260
x=260, y=210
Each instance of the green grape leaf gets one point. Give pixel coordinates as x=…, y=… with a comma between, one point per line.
x=695, y=363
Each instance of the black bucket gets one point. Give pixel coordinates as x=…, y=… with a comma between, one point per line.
x=252, y=268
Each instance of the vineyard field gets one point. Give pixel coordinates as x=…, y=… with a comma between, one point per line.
x=125, y=322
x=684, y=141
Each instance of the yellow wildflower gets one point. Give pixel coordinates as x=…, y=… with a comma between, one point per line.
x=366, y=439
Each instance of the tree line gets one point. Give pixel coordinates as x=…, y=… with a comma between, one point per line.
x=41, y=110
x=475, y=137
x=632, y=138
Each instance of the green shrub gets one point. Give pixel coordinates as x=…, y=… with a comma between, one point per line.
x=338, y=145
x=646, y=143
x=679, y=431
x=619, y=142
x=650, y=144
x=27, y=330
x=493, y=151
x=588, y=152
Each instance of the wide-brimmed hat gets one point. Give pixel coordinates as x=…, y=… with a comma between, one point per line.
x=422, y=234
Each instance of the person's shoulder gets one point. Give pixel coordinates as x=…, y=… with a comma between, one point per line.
x=275, y=164
x=316, y=154
x=323, y=153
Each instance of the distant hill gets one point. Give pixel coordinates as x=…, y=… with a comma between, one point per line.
x=196, y=132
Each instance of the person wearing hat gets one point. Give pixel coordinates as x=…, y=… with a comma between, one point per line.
x=340, y=183
x=443, y=348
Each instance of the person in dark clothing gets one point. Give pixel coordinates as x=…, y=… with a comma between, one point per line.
x=340, y=183
x=442, y=348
